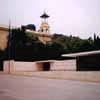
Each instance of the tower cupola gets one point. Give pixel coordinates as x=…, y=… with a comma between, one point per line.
x=44, y=28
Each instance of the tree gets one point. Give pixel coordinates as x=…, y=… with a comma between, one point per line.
x=30, y=27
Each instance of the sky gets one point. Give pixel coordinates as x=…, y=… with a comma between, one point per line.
x=69, y=17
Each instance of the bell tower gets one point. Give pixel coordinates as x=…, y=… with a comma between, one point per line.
x=43, y=34
x=44, y=28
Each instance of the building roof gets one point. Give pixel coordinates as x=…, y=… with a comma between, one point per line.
x=44, y=15
x=81, y=54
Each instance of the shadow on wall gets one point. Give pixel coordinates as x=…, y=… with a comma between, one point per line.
x=44, y=66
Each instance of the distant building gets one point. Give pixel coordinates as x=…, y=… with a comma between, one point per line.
x=4, y=31
x=43, y=34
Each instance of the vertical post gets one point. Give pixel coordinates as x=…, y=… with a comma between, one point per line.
x=9, y=66
x=9, y=49
x=77, y=64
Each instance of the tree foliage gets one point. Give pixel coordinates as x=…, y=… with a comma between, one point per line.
x=72, y=44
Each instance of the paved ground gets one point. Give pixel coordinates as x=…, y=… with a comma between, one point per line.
x=91, y=76
x=28, y=88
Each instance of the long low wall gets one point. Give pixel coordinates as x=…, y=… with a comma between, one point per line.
x=20, y=66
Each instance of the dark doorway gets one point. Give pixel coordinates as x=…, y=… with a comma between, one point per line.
x=1, y=65
x=46, y=66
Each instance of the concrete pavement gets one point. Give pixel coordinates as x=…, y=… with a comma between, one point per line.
x=89, y=76
x=28, y=88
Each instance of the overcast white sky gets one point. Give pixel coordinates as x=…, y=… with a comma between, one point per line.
x=77, y=17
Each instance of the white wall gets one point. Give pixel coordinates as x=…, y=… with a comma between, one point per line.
x=17, y=66
x=25, y=66
x=20, y=66
x=63, y=65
